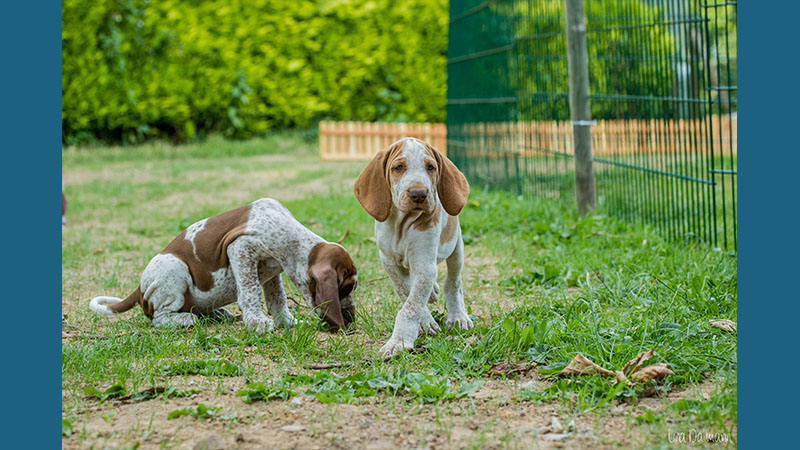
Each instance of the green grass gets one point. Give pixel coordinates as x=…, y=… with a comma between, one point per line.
x=677, y=204
x=541, y=283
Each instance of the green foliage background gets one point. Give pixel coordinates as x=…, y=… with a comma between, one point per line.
x=135, y=69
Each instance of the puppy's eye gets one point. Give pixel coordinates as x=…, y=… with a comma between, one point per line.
x=399, y=167
x=431, y=167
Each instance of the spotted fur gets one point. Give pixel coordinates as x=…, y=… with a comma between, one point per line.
x=234, y=257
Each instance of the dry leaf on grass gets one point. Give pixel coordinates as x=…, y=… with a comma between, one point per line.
x=621, y=378
x=507, y=368
x=636, y=363
x=632, y=371
x=723, y=324
x=580, y=365
x=651, y=372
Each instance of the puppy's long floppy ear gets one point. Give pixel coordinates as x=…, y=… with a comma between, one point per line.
x=453, y=187
x=326, y=294
x=372, y=189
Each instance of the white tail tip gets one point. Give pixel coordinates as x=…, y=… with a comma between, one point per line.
x=98, y=304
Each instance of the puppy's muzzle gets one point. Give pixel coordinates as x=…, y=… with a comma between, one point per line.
x=418, y=196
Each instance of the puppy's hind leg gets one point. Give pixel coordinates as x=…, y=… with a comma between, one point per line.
x=164, y=283
x=454, y=292
x=166, y=318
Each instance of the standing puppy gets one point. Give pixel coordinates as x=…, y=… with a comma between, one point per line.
x=415, y=194
x=235, y=256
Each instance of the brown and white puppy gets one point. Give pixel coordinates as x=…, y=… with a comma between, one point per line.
x=415, y=195
x=235, y=256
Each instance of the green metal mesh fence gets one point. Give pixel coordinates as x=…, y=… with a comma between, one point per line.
x=662, y=81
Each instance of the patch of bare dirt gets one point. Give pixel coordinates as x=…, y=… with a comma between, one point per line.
x=492, y=418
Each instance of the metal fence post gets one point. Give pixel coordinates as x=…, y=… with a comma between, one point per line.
x=580, y=110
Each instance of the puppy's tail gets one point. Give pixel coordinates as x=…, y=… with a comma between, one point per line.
x=116, y=305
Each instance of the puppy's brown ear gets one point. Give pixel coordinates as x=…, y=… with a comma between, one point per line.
x=325, y=290
x=372, y=188
x=453, y=187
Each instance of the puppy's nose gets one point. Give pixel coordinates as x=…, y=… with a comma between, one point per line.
x=418, y=195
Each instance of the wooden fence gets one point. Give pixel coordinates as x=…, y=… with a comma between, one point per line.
x=609, y=137
x=355, y=141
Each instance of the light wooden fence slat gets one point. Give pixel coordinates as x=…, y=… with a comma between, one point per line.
x=355, y=141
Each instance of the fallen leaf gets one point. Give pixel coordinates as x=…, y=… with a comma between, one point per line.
x=507, y=368
x=636, y=363
x=651, y=372
x=630, y=373
x=621, y=378
x=580, y=365
x=723, y=324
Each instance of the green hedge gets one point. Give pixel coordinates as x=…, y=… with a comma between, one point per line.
x=133, y=69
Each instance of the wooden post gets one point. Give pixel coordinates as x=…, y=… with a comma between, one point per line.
x=580, y=111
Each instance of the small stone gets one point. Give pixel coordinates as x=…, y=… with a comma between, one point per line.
x=213, y=442
x=555, y=425
x=296, y=401
x=617, y=410
x=294, y=428
x=556, y=437
x=531, y=386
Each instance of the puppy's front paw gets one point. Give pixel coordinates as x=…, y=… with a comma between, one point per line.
x=394, y=347
x=285, y=320
x=460, y=319
x=259, y=324
x=428, y=324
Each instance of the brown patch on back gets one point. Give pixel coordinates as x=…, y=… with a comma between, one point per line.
x=211, y=244
x=450, y=229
